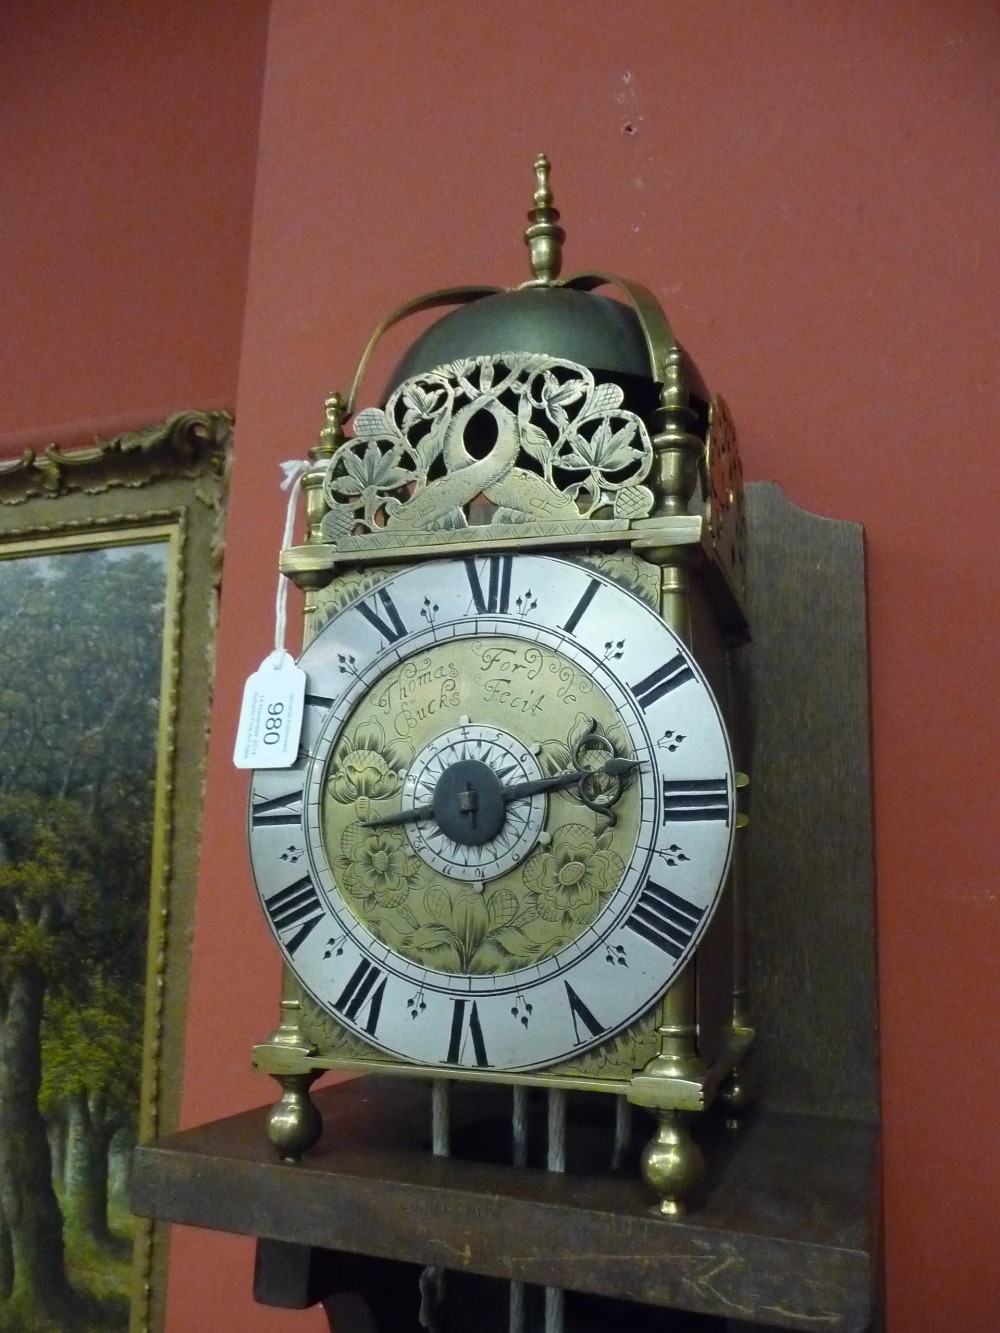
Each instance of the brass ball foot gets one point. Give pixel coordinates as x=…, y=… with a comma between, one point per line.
x=672, y=1163
x=293, y=1123
x=735, y=1096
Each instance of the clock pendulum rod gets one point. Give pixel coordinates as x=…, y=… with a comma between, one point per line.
x=623, y=1132
x=554, y=1296
x=519, y=1157
x=432, y=1279
x=441, y=1117
x=555, y=1161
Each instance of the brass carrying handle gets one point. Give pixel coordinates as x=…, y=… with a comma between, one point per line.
x=446, y=296
x=660, y=341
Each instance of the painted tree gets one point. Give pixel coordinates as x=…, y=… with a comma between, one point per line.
x=80, y=661
x=91, y=1049
x=38, y=886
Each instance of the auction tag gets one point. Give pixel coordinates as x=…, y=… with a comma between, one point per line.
x=271, y=717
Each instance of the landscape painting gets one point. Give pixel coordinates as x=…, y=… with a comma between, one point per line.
x=97, y=685
x=81, y=651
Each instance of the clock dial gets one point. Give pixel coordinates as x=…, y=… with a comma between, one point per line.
x=461, y=784
x=506, y=830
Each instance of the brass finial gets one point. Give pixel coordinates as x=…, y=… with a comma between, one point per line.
x=676, y=446
x=544, y=237
x=331, y=437
x=332, y=434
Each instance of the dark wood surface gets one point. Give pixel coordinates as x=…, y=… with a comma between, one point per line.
x=810, y=867
x=782, y=1234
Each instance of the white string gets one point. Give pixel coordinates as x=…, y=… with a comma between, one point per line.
x=293, y=470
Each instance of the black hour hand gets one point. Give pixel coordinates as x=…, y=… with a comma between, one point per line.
x=401, y=817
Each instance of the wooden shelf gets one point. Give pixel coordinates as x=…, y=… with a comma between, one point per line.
x=781, y=1237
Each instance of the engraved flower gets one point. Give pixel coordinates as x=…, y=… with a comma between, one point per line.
x=368, y=470
x=375, y=867
x=574, y=876
x=365, y=763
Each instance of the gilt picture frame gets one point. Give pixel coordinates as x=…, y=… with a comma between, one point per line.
x=110, y=567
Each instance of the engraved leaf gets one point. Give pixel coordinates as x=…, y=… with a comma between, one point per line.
x=603, y=841
x=419, y=403
x=373, y=423
x=379, y=469
x=427, y=938
x=470, y=919
x=633, y=502
x=611, y=447
x=504, y=950
x=337, y=523
x=555, y=394
x=437, y=903
x=436, y=943
x=502, y=908
x=460, y=369
x=623, y=450
x=607, y=449
x=534, y=440
x=555, y=756
x=603, y=398
x=514, y=942
x=377, y=927
x=367, y=471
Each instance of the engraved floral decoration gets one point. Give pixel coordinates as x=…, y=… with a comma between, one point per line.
x=473, y=932
x=526, y=437
x=525, y=915
x=376, y=867
x=366, y=763
x=572, y=879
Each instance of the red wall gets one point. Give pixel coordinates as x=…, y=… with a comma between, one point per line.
x=811, y=190
x=128, y=140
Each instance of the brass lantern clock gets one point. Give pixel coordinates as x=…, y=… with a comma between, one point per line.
x=507, y=850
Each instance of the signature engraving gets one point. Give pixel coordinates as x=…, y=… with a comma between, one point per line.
x=505, y=676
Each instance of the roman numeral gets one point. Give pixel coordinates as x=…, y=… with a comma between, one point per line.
x=674, y=673
x=665, y=919
x=298, y=905
x=576, y=615
x=286, y=809
x=391, y=626
x=364, y=987
x=497, y=597
x=695, y=800
x=462, y=1026
x=581, y=1014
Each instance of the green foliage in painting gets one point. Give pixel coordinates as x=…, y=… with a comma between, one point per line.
x=80, y=681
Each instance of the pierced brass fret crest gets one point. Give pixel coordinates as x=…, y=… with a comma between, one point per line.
x=490, y=440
